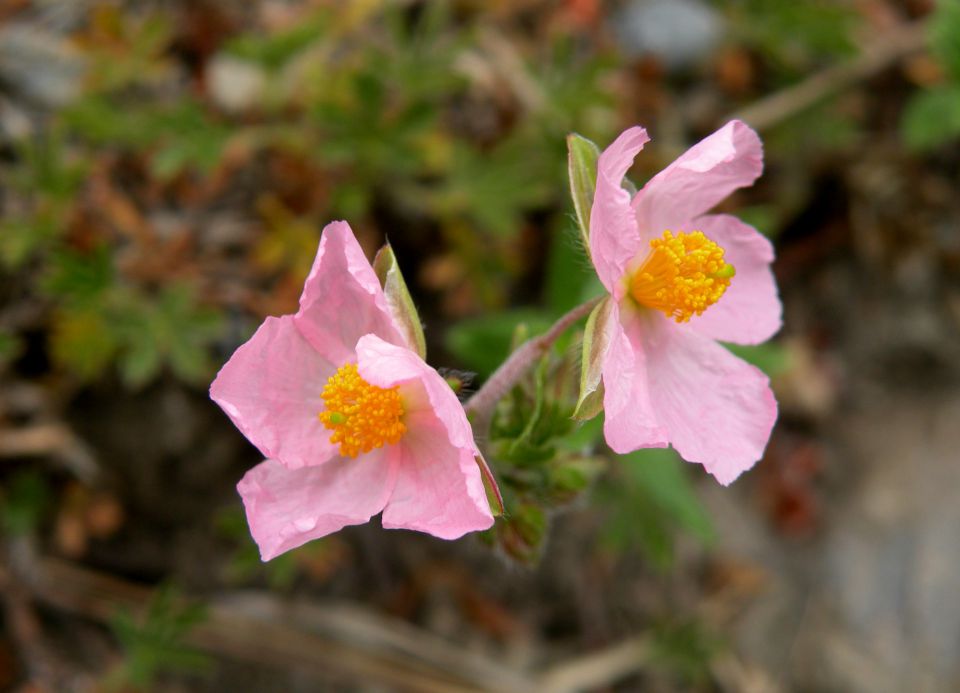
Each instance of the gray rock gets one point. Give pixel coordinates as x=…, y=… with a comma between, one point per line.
x=677, y=32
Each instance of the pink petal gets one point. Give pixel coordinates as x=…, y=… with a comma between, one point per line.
x=439, y=489
x=271, y=388
x=385, y=365
x=289, y=507
x=614, y=237
x=630, y=421
x=717, y=409
x=342, y=299
x=750, y=310
x=709, y=171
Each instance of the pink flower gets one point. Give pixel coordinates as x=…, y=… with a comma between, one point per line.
x=351, y=419
x=681, y=279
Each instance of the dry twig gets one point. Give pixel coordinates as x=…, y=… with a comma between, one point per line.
x=780, y=106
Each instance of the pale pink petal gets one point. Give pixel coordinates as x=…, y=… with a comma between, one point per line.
x=439, y=488
x=271, y=388
x=717, y=409
x=708, y=172
x=630, y=421
x=342, y=299
x=289, y=507
x=749, y=312
x=385, y=365
x=614, y=236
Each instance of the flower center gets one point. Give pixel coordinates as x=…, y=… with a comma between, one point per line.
x=362, y=416
x=682, y=276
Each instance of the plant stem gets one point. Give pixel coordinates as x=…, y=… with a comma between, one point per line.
x=480, y=406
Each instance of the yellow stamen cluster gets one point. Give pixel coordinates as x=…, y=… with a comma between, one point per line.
x=682, y=276
x=362, y=416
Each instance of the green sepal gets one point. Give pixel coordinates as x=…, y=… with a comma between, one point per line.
x=398, y=298
x=494, y=497
x=582, y=156
x=590, y=402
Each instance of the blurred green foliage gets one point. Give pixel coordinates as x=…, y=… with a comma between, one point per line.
x=24, y=500
x=932, y=116
x=153, y=642
x=646, y=498
x=430, y=117
x=377, y=99
x=684, y=650
x=794, y=37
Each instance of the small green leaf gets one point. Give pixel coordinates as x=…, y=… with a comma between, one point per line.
x=932, y=118
x=522, y=534
x=582, y=156
x=398, y=298
x=83, y=341
x=649, y=498
x=945, y=35
x=24, y=502
x=590, y=401
x=771, y=357
x=11, y=346
x=662, y=476
x=482, y=344
x=153, y=641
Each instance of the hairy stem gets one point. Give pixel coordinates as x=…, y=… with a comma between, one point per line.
x=480, y=406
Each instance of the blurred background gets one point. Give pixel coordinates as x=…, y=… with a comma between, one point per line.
x=166, y=167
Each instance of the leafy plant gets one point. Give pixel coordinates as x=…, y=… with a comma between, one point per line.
x=932, y=116
x=649, y=496
x=153, y=641
x=23, y=502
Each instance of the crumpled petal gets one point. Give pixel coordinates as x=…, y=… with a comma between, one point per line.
x=271, y=388
x=717, y=409
x=614, y=237
x=342, y=299
x=630, y=421
x=705, y=174
x=385, y=365
x=439, y=488
x=286, y=508
x=749, y=312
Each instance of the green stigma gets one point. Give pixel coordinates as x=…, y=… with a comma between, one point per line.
x=725, y=272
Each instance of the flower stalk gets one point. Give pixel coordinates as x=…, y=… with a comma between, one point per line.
x=480, y=406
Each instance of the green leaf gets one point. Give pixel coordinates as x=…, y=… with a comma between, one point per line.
x=523, y=532
x=932, y=118
x=649, y=498
x=661, y=475
x=582, y=156
x=569, y=275
x=83, y=341
x=685, y=649
x=153, y=640
x=398, y=298
x=590, y=401
x=79, y=278
x=771, y=357
x=524, y=440
x=273, y=51
x=945, y=35
x=11, y=346
x=23, y=502
x=568, y=476
x=482, y=344
x=140, y=363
